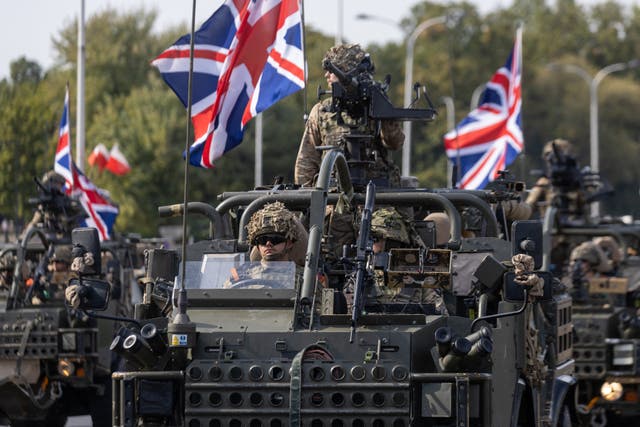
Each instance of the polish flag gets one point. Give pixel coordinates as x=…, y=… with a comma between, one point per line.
x=99, y=156
x=117, y=163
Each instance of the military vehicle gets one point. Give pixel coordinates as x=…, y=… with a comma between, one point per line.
x=54, y=362
x=605, y=320
x=605, y=317
x=287, y=351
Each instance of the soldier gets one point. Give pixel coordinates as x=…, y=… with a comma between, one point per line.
x=273, y=230
x=390, y=229
x=56, y=212
x=325, y=128
x=560, y=184
x=587, y=261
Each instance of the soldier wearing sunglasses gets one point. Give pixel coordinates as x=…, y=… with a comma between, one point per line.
x=273, y=231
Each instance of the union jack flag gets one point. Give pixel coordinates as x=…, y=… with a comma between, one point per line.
x=101, y=213
x=247, y=56
x=63, y=151
x=490, y=137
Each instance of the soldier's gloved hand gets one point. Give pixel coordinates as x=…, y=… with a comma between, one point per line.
x=73, y=295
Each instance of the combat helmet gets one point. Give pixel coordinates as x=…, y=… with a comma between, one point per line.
x=347, y=57
x=611, y=248
x=273, y=218
x=62, y=253
x=53, y=180
x=593, y=255
x=388, y=223
x=562, y=145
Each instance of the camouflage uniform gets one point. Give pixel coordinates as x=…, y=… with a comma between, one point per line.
x=389, y=224
x=323, y=129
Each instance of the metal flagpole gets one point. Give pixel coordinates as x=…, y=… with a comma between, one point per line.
x=80, y=144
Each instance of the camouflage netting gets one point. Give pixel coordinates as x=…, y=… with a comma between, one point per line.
x=388, y=223
x=273, y=218
x=346, y=56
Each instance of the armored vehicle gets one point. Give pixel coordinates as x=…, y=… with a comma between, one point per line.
x=605, y=319
x=286, y=350
x=55, y=362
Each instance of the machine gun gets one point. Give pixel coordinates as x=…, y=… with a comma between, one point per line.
x=504, y=188
x=359, y=95
x=364, y=249
x=566, y=176
x=53, y=205
x=365, y=100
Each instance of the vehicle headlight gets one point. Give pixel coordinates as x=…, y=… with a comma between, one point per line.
x=68, y=340
x=623, y=354
x=611, y=391
x=66, y=368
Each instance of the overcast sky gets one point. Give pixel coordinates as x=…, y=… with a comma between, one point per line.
x=28, y=25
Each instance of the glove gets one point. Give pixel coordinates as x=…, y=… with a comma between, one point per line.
x=73, y=295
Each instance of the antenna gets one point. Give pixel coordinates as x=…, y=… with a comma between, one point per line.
x=181, y=330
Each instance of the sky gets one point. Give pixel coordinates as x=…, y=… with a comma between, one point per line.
x=28, y=25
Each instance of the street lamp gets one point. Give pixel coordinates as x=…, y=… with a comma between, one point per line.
x=408, y=78
x=593, y=83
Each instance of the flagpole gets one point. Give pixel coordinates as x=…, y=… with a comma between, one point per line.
x=80, y=144
x=258, y=154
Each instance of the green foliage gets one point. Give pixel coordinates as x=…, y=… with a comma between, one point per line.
x=128, y=103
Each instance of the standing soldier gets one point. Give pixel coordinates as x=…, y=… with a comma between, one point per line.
x=327, y=127
x=560, y=186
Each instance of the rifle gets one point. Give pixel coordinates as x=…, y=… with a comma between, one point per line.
x=364, y=249
x=40, y=272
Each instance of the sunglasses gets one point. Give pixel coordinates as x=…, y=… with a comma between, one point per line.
x=275, y=239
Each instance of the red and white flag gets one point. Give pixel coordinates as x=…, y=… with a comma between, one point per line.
x=99, y=156
x=117, y=163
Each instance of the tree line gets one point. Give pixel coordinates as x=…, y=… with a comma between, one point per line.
x=127, y=102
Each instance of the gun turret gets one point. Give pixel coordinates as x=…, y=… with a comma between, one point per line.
x=361, y=96
x=364, y=249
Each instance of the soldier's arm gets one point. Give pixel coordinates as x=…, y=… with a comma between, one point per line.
x=392, y=134
x=537, y=193
x=308, y=159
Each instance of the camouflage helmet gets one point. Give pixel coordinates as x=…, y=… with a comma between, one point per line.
x=388, y=223
x=562, y=145
x=592, y=254
x=273, y=218
x=62, y=253
x=7, y=261
x=346, y=57
x=611, y=248
x=53, y=179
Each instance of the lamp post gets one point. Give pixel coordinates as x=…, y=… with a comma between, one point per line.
x=593, y=83
x=408, y=78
